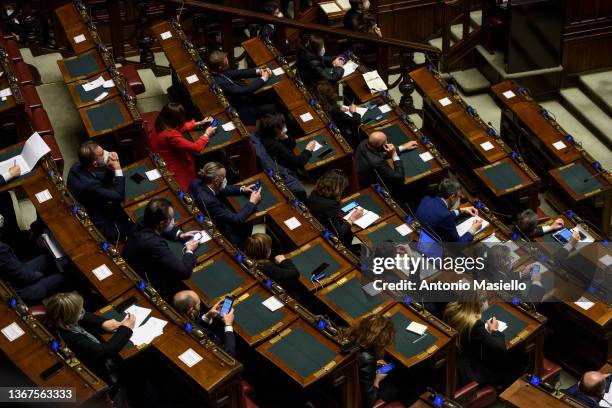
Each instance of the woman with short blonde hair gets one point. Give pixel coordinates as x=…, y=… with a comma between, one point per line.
x=283, y=271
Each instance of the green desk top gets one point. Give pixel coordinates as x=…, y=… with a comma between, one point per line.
x=386, y=233
x=407, y=343
x=316, y=156
x=366, y=201
x=267, y=198
x=575, y=175
x=3, y=103
x=105, y=116
x=503, y=176
x=274, y=79
x=413, y=164
x=515, y=325
x=395, y=135
x=81, y=65
x=302, y=352
x=133, y=189
x=254, y=317
x=373, y=113
x=353, y=300
x=217, y=279
x=88, y=96
x=221, y=136
x=310, y=259
x=177, y=247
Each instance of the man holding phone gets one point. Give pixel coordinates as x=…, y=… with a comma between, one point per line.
x=97, y=182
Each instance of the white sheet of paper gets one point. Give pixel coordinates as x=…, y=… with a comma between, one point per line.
x=108, y=84
x=511, y=245
x=153, y=175
x=273, y=303
x=102, y=272
x=467, y=224
x=34, y=148
x=146, y=333
x=384, y=108
x=486, y=146
x=403, y=229
x=330, y=8
x=509, y=94
x=190, y=357
x=370, y=289
x=101, y=96
x=229, y=126
x=367, y=219
x=374, y=82
x=361, y=110
x=589, y=237
x=292, y=223
x=606, y=259
x=349, y=66
x=417, y=328
x=96, y=83
x=445, y=101
x=491, y=240
x=165, y=35
x=278, y=71
x=344, y=4
x=56, y=250
x=13, y=331
x=606, y=401
x=426, y=156
x=502, y=326
x=205, y=237
x=141, y=314
x=305, y=117
x=584, y=303
x=79, y=38
x=317, y=146
x=559, y=145
x=43, y=196
x=6, y=92
x=192, y=78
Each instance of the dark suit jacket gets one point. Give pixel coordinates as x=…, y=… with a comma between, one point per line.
x=229, y=83
x=216, y=332
x=369, y=163
x=575, y=392
x=91, y=353
x=366, y=365
x=282, y=151
x=327, y=211
x=227, y=221
x=350, y=19
x=284, y=273
x=149, y=255
x=2, y=180
x=313, y=68
x=436, y=215
x=348, y=125
x=101, y=201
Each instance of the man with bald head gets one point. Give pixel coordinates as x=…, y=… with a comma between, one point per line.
x=218, y=328
x=591, y=388
x=371, y=159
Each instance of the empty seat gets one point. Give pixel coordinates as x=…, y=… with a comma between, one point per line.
x=24, y=73
x=30, y=96
x=550, y=372
x=472, y=396
x=40, y=121
x=132, y=78
x=12, y=49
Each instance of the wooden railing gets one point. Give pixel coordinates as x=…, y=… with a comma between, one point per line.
x=458, y=12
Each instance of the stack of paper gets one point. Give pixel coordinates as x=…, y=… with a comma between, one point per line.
x=374, y=82
x=349, y=67
x=141, y=313
x=367, y=219
x=467, y=224
x=34, y=148
x=329, y=8
x=145, y=334
x=91, y=85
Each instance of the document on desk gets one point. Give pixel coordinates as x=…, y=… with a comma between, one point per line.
x=606, y=401
x=345, y=5
x=145, y=334
x=34, y=148
x=273, y=303
x=467, y=224
x=491, y=240
x=292, y=223
x=584, y=303
x=501, y=326
x=374, y=82
x=367, y=219
x=91, y=85
x=141, y=313
x=329, y=8
x=349, y=67
x=5, y=92
x=606, y=260
x=190, y=358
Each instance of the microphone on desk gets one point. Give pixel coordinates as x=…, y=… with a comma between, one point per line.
x=599, y=173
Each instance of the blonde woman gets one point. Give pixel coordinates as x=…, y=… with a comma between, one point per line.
x=481, y=346
x=259, y=248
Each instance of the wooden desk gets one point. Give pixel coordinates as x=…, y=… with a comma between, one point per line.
x=298, y=236
x=359, y=88
x=250, y=302
x=373, y=235
x=75, y=86
x=33, y=357
x=192, y=78
x=75, y=27
x=139, y=167
x=268, y=188
x=368, y=200
x=523, y=394
x=317, y=250
x=90, y=125
x=258, y=51
x=289, y=94
x=206, y=101
x=303, y=121
x=320, y=135
x=136, y=211
x=220, y=138
x=527, y=185
x=97, y=66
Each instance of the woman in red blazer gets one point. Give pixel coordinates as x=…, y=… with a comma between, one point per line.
x=177, y=151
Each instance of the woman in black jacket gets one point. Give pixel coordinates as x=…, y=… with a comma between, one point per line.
x=81, y=330
x=346, y=119
x=481, y=346
x=324, y=203
x=313, y=65
x=272, y=131
x=258, y=247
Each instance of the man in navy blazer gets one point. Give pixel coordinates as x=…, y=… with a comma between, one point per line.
x=591, y=388
x=440, y=213
x=147, y=252
x=210, y=188
x=96, y=181
x=240, y=96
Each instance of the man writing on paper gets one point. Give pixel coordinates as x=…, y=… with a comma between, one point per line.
x=440, y=213
x=219, y=328
x=97, y=182
x=371, y=159
x=149, y=255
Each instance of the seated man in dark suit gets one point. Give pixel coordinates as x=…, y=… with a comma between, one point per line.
x=527, y=222
x=240, y=96
x=591, y=388
x=188, y=303
x=148, y=253
x=13, y=171
x=96, y=181
x=371, y=161
x=210, y=188
x=33, y=280
x=440, y=213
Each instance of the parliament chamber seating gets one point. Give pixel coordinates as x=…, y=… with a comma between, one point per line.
x=30, y=97
x=132, y=78
x=12, y=49
x=473, y=396
x=40, y=121
x=24, y=73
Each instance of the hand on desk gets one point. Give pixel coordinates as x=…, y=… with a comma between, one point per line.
x=476, y=225
x=357, y=214
x=210, y=131
x=469, y=210
x=248, y=189
x=311, y=145
x=492, y=325
x=188, y=234
x=575, y=237
x=411, y=145
x=129, y=321
x=111, y=326
x=266, y=73
x=14, y=171
x=192, y=245
x=557, y=224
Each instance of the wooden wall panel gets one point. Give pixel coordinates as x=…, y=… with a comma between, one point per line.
x=410, y=20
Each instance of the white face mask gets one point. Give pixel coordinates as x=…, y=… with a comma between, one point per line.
x=322, y=51
x=366, y=5
x=284, y=131
x=1, y=220
x=224, y=183
x=170, y=225
x=280, y=15
x=9, y=11
x=104, y=161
